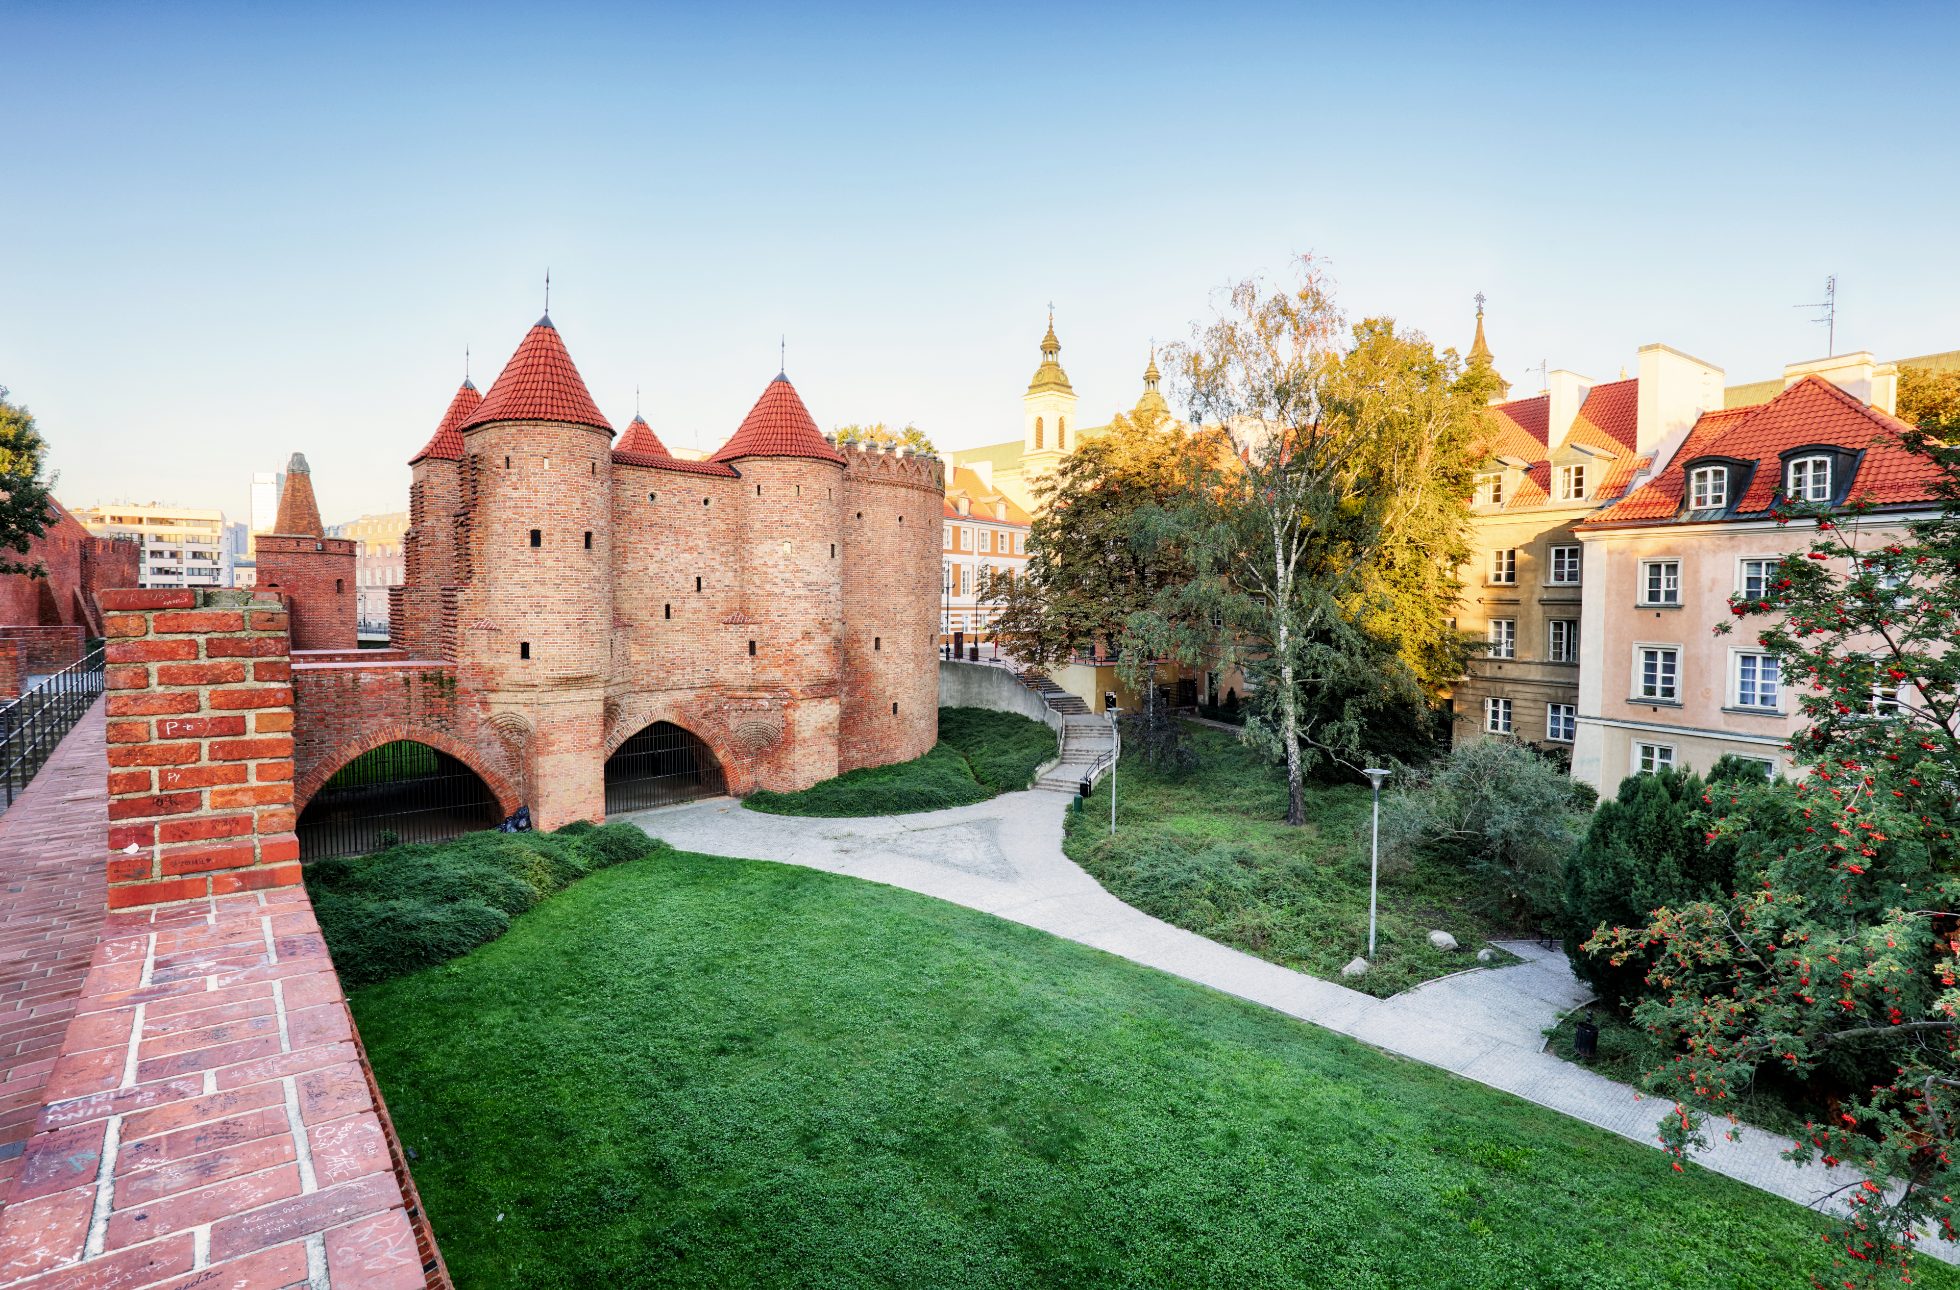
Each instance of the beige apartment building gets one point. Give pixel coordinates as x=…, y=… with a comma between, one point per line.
x=1659, y=688
x=1553, y=460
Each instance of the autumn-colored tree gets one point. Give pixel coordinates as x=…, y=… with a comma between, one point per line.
x=1090, y=566
x=1930, y=399
x=878, y=434
x=1338, y=514
x=1834, y=958
x=25, y=496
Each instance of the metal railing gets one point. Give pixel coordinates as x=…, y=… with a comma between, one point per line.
x=33, y=725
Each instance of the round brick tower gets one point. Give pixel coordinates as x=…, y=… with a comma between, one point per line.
x=430, y=546
x=534, y=630
x=786, y=638
x=892, y=557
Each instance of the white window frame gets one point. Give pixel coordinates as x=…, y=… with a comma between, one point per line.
x=1503, y=635
x=1566, y=651
x=1708, y=488
x=1571, y=482
x=1561, y=717
x=1740, y=661
x=1487, y=488
x=1652, y=758
x=1504, y=567
x=1639, y=687
x=1767, y=574
x=1645, y=593
x=1497, y=716
x=1808, y=478
x=1559, y=554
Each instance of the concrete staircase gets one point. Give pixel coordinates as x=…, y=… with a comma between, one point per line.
x=1085, y=743
x=1054, y=695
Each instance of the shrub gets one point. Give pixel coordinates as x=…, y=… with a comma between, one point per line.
x=1500, y=810
x=617, y=844
x=576, y=828
x=1002, y=749
x=409, y=907
x=933, y=782
x=1644, y=849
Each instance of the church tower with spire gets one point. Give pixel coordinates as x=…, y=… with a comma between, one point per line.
x=1151, y=406
x=1480, y=371
x=1048, y=411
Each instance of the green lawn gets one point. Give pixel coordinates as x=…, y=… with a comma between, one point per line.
x=695, y=1071
x=980, y=754
x=1208, y=851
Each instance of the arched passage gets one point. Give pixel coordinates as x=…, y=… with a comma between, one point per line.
x=399, y=791
x=661, y=765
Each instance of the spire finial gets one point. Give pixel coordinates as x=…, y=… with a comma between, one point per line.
x=1480, y=304
x=466, y=363
x=547, y=291
x=636, y=400
x=782, y=354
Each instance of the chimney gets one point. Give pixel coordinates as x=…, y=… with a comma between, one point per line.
x=1854, y=373
x=985, y=470
x=1568, y=391
x=1675, y=389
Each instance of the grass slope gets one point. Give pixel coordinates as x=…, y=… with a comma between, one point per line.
x=1209, y=851
x=693, y=1071
x=980, y=754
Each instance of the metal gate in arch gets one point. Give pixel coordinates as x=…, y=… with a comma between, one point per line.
x=400, y=792
x=661, y=766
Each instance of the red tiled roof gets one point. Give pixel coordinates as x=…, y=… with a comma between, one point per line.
x=1813, y=411
x=1532, y=415
x=446, y=444
x=639, y=446
x=1619, y=475
x=540, y=383
x=1612, y=410
x=778, y=426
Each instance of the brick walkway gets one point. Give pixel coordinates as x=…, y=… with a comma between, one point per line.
x=209, y=1119
x=54, y=895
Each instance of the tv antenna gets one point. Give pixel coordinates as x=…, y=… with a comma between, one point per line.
x=1829, y=317
x=1544, y=377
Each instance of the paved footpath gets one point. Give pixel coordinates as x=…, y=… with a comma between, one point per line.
x=1004, y=857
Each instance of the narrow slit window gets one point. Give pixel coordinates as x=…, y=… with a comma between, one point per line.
x=877, y=643
x=833, y=550
x=588, y=539
x=697, y=582
x=506, y=463
x=339, y=586
x=758, y=490
x=524, y=649
x=751, y=649
x=894, y=709
x=537, y=537
x=667, y=611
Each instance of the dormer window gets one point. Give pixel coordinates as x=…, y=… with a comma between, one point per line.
x=1708, y=488
x=1572, y=483
x=1808, y=479
x=1490, y=489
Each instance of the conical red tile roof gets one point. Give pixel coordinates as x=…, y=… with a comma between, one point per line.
x=446, y=444
x=540, y=383
x=299, y=514
x=778, y=426
x=639, y=440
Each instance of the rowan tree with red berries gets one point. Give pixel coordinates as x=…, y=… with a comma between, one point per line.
x=1835, y=961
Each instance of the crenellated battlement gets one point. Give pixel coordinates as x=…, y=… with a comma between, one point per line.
x=878, y=463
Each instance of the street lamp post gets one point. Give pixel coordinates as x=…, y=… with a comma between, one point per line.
x=1115, y=747
x=1375, y=777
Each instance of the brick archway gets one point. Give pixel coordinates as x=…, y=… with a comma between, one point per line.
x=509, y=796
x=737, y=775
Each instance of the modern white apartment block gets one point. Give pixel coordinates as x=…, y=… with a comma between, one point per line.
x=181, y=546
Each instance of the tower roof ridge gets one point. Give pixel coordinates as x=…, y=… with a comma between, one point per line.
x=539, y=383
x=299, y=513
x=778, y=426
x=446, y=444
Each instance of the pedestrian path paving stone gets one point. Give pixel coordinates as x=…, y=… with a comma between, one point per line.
x=1487, y=1025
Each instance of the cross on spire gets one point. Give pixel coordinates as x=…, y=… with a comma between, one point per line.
x=1480, y=304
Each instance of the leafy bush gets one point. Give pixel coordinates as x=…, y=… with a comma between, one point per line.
x=1500, y=810
x=410, y=907
x=1002, y=749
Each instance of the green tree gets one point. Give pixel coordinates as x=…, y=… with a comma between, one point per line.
x=1930, y=399
x=879, y=434
x=1091, y=566
x=25, y=496
x=1327, y=506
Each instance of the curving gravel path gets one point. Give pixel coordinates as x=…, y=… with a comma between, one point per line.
x=1004, y=857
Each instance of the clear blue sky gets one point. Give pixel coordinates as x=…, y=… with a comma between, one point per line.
x=232, y=232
